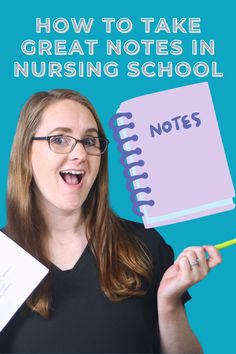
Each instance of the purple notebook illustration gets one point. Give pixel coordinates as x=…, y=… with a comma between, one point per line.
x=173, y=156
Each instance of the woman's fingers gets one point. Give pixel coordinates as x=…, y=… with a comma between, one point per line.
x=202, y=265
x=194, y=263
x=184, y=268
x=191, y=266
x=214, y=256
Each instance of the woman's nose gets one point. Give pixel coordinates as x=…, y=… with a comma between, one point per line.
x=78, y=152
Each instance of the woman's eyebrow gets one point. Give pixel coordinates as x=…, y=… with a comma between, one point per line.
x=91, y=130
x=62, y=129
x=68, y=130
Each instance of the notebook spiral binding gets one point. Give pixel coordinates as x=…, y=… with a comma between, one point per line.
x=127, y=166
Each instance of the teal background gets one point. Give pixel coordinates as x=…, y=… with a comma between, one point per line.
x=212, y=310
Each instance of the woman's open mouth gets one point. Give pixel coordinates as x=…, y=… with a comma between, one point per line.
x=72, y=177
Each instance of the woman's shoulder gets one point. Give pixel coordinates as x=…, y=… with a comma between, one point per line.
x=161, y=253
x=150, y=237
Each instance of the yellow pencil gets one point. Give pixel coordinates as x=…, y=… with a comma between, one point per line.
x=226, y=244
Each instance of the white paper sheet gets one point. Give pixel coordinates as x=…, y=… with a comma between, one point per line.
x=20, y=273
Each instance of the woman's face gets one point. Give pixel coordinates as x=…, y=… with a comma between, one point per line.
x=56, y=189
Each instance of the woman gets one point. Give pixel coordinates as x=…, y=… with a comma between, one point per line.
x=112, y=285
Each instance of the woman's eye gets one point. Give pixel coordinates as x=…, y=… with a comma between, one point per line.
x=89, y=141
x=59, y=140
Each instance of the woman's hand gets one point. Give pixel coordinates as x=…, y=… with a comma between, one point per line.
x=190, y=267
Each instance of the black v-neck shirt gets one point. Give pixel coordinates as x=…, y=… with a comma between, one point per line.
x=83, y=320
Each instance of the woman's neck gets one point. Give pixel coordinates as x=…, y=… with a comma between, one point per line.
x=63, y=226
x=66, y=236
